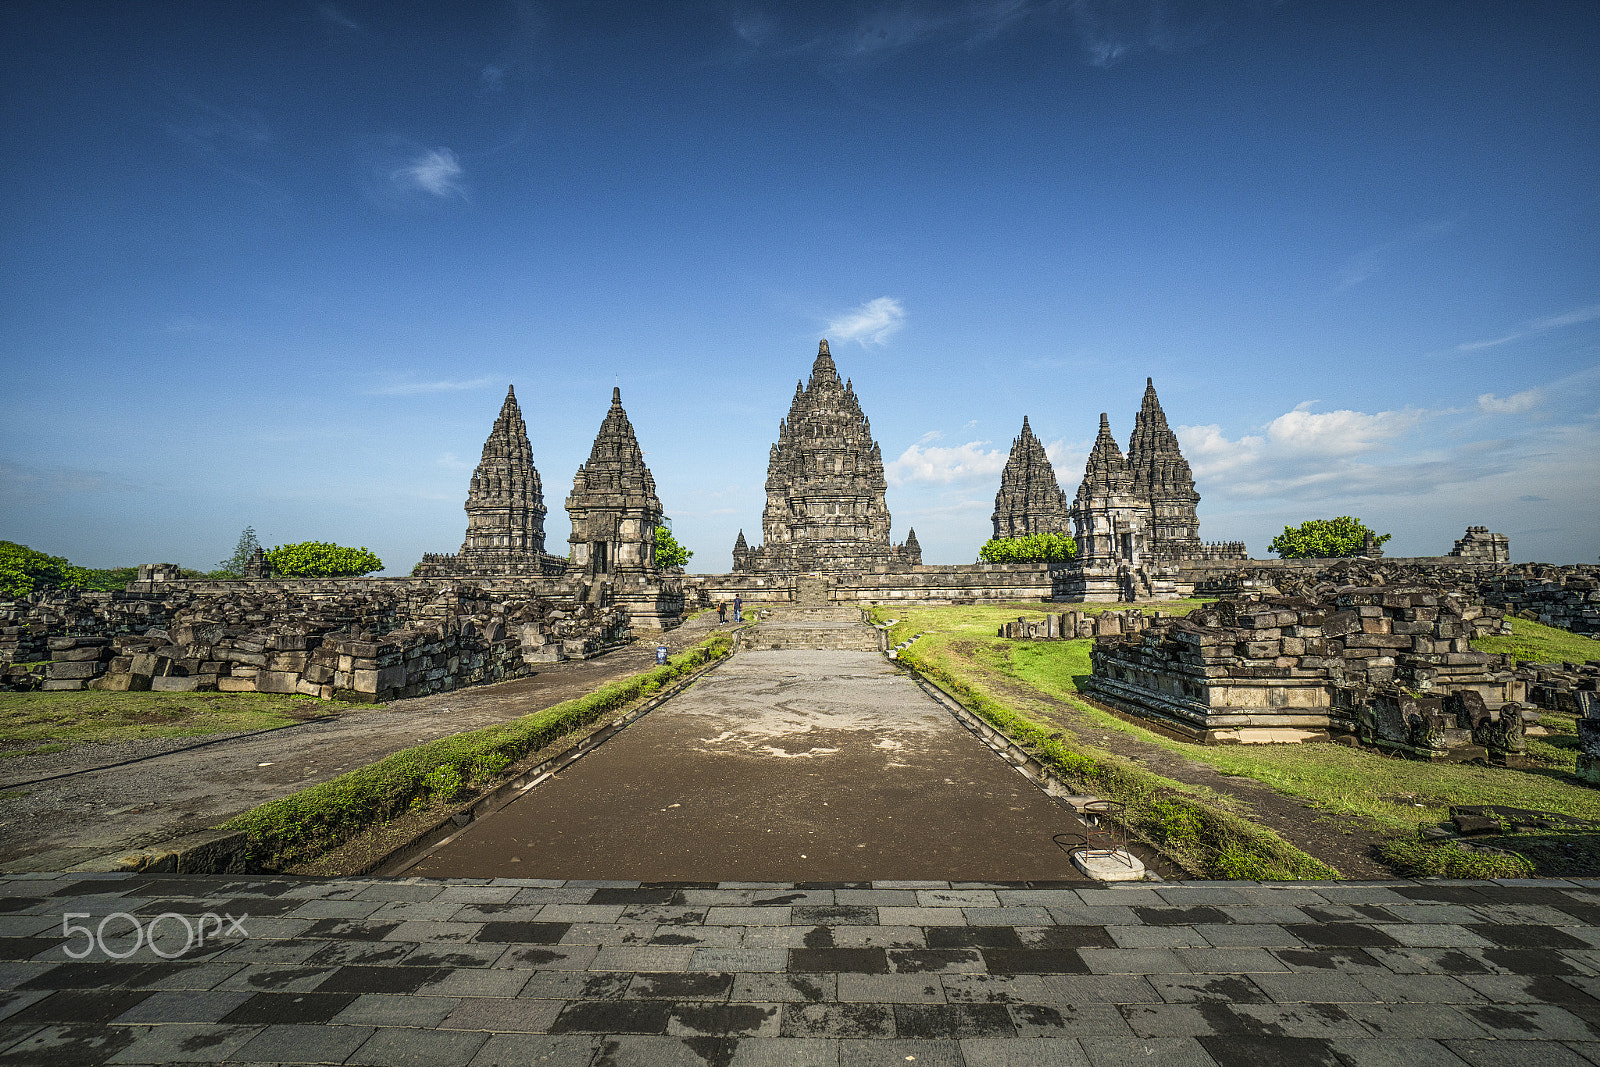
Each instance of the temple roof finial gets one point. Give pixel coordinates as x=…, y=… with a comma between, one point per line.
x=616, y=396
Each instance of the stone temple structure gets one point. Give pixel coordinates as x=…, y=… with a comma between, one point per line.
x=825, y=507
x=1161, y=479
x=1029, y=501
x=505, y=510
x=1111, y=522
x=613, y=506
x=1479, y=544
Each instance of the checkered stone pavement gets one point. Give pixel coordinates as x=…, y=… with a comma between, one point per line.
x=732, y=974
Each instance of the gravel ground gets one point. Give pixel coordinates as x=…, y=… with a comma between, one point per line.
x=185, y=786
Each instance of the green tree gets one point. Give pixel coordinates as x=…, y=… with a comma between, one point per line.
x=1035, y=548
x=22, y=570
x=321, y=559
x=1324, y=539
x=103, y=579
x=668, y=552
x=233, y=566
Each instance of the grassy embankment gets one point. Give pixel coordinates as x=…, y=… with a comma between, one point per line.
x=1198, y=829
x=1389, y=795
x=39, y=723
x=298, y=827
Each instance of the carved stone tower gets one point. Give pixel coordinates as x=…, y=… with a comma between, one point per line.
x=1111, y=524
x=825, y=487
x=613, y=506
x=505, y=503
x=1161, y=477
x=1029, y=501
x=505, y=510
x=741, y=550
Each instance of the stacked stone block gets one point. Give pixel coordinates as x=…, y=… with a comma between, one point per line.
x=422, y=639
x=23, y=643
x=1075, y=625
x=1288, y=668
x=75, y=662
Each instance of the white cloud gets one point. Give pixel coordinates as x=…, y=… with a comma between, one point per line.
x=413, y=388
x=1303, y=453
x=931, y=463
x=436, y=172
x=1515, y=404
x=873, y=321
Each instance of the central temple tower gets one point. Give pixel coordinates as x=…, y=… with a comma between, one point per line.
x=825, y=487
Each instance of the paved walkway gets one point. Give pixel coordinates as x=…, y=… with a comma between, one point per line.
x=609, y=974
x=785, y=766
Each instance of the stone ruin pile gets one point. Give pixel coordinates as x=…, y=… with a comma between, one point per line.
x=359, y=646
x=1393, y=666
x=1069, y=625
x=1566, y=597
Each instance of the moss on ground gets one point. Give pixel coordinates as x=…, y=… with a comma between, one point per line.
x=1388, y=794
x=54, y=720
x=294, y=829
x=1192, y=826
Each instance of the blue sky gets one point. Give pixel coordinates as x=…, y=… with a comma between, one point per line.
x=274, y=264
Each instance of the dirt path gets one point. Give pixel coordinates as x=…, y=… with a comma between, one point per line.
x=1335, y=840
x=92, y=813
x=787, y=765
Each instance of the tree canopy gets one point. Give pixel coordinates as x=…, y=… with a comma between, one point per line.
x=22, y=570
x=1324, y=539
x=321, y=559
x=1035, y=548
x=233, y=566
x=668, y=552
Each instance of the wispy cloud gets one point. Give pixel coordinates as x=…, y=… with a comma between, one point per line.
x=1370, y=262
x=24, y=483
x=436, y=172
x=332, y=16
x=1515, y=404
x=414, y=388
x=872, y=322
x=1550, y=322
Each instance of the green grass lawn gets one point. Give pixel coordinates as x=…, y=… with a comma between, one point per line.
x=34, y=723
x=1532, y=642
x=1388, y=794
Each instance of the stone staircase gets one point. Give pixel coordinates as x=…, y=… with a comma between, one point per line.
x=814, y=626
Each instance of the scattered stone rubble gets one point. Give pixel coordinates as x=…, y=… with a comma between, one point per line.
x=370, y=645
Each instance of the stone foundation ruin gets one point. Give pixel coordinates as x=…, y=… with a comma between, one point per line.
x=365, y=641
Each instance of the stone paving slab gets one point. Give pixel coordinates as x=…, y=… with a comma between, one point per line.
x=610, y=973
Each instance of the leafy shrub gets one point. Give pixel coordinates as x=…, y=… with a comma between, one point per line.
x=668, y=552
x=1035, y=548
x=1324, y=539
x=22, y=570
x=444, y=783
x=321, y=559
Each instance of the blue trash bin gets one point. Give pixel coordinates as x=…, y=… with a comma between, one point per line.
x=661, y=654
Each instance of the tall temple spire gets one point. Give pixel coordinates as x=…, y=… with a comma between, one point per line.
x=505, y=503
x=1162, y=477
x=825, y=484
x=613, y=506
x=1030, y=501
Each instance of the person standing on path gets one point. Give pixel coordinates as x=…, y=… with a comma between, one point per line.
x=722, y=612
x=738, y=608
